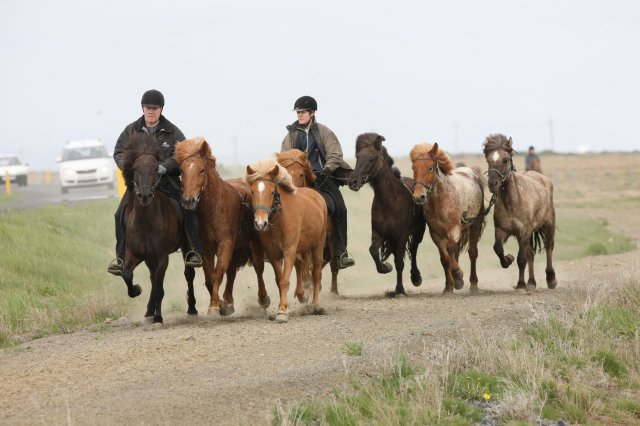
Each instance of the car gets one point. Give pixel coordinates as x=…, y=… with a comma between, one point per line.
x=85, y=163
x=18, y=172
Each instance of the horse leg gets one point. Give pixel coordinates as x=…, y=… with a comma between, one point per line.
x=207, y=269
x=498, y=248
x=157, y=291
x=223, y=256
x=453, y=250
x=398, y=260
x=283, y=284
x=523, y=255
x=130, y=263
x=334, y=268
x=189, y=274
x=416, y=239
x=227, y=308
x=444, y=260
x=300, y=285
x=475, y=231
x=317, y=279
x=374, y=251
x=257, y=254
x=549, y=238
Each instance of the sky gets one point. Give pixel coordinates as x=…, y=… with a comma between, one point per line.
x=560, y=75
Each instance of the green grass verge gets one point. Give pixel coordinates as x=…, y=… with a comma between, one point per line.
x=582, y=369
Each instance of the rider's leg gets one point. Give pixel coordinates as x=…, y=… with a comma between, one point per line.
x=340, y=223
x=117, y=265
x=192, y=231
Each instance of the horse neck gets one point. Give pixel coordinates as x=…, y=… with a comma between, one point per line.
x=510, y=195
x=383, y=183
x=144, y=215
x=212, y=191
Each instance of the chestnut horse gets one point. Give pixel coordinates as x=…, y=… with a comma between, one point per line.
x=153, y=228
x=524, y=209
x=292, y=224
x=453, y=203
x=226, y=223
x=397, y=224
x=298, y=166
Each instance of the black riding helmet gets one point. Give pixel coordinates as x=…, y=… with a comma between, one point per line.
x=152, y=98
x=305, y=103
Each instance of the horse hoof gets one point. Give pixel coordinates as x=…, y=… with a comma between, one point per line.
x=416, y=281
x=508, y=261
x=192, y=311
x=303, y=299
x=158, y=320
x=317, y=310
x=531, y=288
x=282, y=317
x=474, y=290
x=213, y=311
x=227, y=310
x=134, y=291
x=386, y=268
x=459, y=283
x=551, y=284
x=265, y=303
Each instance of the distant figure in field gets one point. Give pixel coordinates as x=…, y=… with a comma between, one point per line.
x=532, y=161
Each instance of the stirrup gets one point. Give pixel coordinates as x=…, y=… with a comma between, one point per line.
x=116, y=267
x=193, y=259
x=345, y=261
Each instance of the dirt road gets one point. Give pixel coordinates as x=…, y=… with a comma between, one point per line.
x=235, y=370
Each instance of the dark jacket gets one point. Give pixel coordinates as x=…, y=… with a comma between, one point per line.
x=167, y=135
x=327, y=143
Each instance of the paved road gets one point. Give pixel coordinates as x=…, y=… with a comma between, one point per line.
x=40, y=194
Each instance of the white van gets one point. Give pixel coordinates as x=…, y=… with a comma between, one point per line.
x=85, y=163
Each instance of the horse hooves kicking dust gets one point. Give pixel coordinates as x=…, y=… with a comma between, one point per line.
x=282, y=317
x=227, y=310
x=265, y=304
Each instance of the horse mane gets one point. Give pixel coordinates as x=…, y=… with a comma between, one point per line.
x=367, y=140
x=292, y=156
x=197, y=146
x=442, y=159
x=263, y=167
x=137, y=145
x=498, y=142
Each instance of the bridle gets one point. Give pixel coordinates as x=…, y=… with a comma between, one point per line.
x=504, y=177
x=137, y=188
x=431, y=186
x=202, y=187
x=276, y=205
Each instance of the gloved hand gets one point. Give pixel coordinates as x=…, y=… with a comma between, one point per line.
x=325, y=173
x=161, y=169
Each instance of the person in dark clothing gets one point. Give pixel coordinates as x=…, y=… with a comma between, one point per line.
x=167, y=135
x=532, y=161
x=325, y=155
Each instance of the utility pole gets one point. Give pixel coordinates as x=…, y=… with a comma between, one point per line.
x=551, y=141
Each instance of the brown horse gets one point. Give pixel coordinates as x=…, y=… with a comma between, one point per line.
x=534, y=165
x=292, y=224
x=397, y=224
x=450, y=197
x=524, y=209
x=298, y=166
x=153, y=228
x=226, y=223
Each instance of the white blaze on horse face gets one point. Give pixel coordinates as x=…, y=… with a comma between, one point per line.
x=260, y=186
x=495, y=156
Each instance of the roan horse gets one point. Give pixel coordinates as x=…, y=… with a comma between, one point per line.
x=226, y=223
x=397, y=224
x=292, y=224
x=298, y=166
x=453, y=203
x=153, y=230
x=524, y=209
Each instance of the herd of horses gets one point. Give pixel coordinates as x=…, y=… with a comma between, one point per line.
x=274, y=213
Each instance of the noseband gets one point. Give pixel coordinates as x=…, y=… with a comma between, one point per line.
x=137, y=188
x=504, y=177
x=275, y=205
x=430, y=187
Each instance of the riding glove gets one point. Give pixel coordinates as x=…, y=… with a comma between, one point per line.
x=161, y=169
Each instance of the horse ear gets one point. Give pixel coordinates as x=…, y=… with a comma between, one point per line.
x=205, y=151
x=273, y=173
x=434, y=150
x=250, y=171
x=509, y=142
x=378, y=143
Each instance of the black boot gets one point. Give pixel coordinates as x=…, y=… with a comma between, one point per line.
x=116, y=267
x=193, y=258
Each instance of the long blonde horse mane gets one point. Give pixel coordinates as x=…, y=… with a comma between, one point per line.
x=263, y=167
x=424, y=150
x=194, y=147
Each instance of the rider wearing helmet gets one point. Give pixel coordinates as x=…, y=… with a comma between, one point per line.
x=167, y=135
x=325, y=155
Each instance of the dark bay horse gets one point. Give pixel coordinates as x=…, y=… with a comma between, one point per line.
x=450, y=197
x=226, y=223
x=523, y=209
x=298, y=166
x=153, y=228
x=292, y=224
x=397, y=224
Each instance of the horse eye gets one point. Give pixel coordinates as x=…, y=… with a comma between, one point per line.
x=430, y=169
x=504, y=161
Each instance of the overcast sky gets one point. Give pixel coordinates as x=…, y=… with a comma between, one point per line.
x=414, y=71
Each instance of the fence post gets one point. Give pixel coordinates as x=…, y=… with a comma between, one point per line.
x=7, y=182
x=121, y=186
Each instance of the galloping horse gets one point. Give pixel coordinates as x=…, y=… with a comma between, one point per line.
x=298, y=166
x=226, y=223
x=397, y=225
x=524, y=209
x=292, y=224
x=153, y=228
x=453, y=203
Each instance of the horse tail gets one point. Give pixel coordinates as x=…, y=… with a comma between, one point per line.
x=307, y=266
x=536, y=240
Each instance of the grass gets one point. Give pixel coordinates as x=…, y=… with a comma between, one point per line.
x=583, y=369
x=353, y=348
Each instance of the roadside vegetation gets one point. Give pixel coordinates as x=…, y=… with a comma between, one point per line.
x=580, y=367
